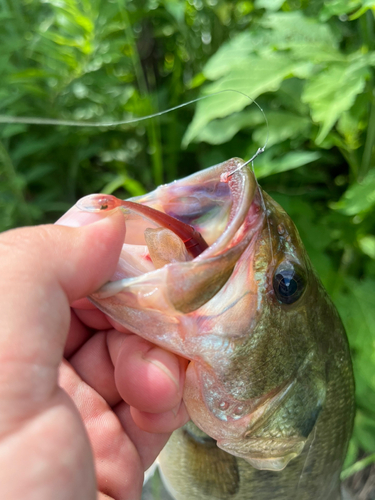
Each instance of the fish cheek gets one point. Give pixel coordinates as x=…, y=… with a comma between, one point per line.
x=283, y=435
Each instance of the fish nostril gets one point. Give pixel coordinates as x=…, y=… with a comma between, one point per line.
x=224, y=405
x=238, y=411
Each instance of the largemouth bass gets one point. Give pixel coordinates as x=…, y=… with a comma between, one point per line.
x=215, y=271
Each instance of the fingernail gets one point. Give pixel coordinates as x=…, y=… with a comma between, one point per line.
x=77, y=218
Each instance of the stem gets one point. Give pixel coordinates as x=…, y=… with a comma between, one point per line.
x=11, y=175
x=156, y=157
x=369, y=144
x=366, y=23
x=351, y=160
x=358, y=466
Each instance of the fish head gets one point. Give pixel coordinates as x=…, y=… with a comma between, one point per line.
x=248, y=311
x=261, y=372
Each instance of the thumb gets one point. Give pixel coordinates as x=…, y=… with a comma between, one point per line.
x=42, y=270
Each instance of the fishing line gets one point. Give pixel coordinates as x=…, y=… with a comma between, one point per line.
x=266, y=211
x=305, y=461
x=25, y=120
x=73, y=123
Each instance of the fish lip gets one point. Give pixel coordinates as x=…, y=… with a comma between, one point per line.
x=243, y=201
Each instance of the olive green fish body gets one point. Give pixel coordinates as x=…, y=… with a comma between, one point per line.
x=194, y=468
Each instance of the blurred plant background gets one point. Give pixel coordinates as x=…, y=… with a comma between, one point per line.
x=309, y=64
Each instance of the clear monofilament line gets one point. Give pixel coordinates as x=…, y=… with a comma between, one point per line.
x=260, y=150
x=73, y=123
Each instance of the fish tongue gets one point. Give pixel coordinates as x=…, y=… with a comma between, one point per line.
x=165, y=247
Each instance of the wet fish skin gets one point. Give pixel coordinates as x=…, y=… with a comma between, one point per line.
x=193, y=468
x=269, y=381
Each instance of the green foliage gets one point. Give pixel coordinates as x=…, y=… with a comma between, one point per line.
x=310, y=66
x=359, y=197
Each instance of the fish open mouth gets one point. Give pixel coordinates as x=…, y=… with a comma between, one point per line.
x=218, y=208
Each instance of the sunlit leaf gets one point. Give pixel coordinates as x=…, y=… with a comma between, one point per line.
x=219, y=131
x=367, y=245
x=230, y=55
x=337, y=7
x=282, y=126
x=132, y=186
x=258, y=75
x=269, y=4
x=300, y=33
x=356, y=304
x=267, y=164
x=360, y=197
x=333, y=91
x=366, y=5
x=176, y=9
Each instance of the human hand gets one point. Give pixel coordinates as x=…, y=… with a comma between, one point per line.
x=125, y=393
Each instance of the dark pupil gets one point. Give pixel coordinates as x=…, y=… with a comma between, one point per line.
x=288, y=286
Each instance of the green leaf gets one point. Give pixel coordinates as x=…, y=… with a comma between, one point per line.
x=219, y=131
x=352, y=454
x=133, y=187
x=38, y=172
x=366, y=5
x=307, y=39
x=268, y=4
x=230, y=55
x=351, y=127
x=11, y=130
x=337, y=8
x=356, y=304
x=367, y=245
x=258, y=75
x=282, y=126
x=359, y=197
x=298, y=33
x=365, y=432
x=358, y=466
x=30, y=145
x=176, y=9
x=267, y=164
x=334, y=91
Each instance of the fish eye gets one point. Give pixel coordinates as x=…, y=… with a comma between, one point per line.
x=289, y=282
